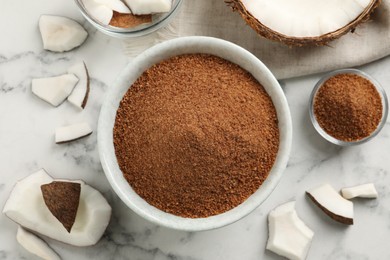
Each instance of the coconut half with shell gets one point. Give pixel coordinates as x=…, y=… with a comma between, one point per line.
x=304, y=22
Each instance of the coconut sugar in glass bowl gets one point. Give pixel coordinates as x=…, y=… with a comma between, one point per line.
x=164, y=51
x=351, y=119
x=158, y=21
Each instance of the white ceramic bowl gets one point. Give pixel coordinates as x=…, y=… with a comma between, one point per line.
x=133, y=70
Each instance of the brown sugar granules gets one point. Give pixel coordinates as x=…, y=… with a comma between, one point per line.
x=196, y=135
x=348, y=107
x=129, y=20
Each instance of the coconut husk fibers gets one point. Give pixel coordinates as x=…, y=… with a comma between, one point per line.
x=266, y=32
x=62, y=199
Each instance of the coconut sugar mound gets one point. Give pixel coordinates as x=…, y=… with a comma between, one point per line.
x=348, y=107
x=196, y=135
x=129, y=20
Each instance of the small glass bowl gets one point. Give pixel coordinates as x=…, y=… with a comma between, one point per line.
x=332, y=139
x=158, y=21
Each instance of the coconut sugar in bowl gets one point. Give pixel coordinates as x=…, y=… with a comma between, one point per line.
x=132, y=80
x=348, y=107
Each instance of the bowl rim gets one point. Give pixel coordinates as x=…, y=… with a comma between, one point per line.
x=379, y=88
x=159, y=52
x=129, y=32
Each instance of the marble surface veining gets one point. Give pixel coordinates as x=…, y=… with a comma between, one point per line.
x=27, y=127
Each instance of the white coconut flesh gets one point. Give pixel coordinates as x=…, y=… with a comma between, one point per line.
x=72, y=132
x=306, y=18
x=362, y=191
x=149, y=6
x=35, y=245
x=288, y=234
x=54, y=90
x=332, y=203
x=103, y=10
x=61, y=34
x=99, y=12
x=79, y=95
x=26, y=207
x=115, y=5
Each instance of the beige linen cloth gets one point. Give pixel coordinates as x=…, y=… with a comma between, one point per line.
x=369, y=42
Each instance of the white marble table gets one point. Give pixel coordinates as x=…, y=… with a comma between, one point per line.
x=27, y=144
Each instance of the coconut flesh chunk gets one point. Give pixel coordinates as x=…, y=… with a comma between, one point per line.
x=115, y=5
x=26, y=207
x=149, y=6
x=99, y=12
x=72, y=132
x=61, y=34
x=288, y=234
x=332, y=203
x=362, y=191
x=54, y=90
x=301, y=22
x=103, y=10
x=35, y=245
x=79, y=95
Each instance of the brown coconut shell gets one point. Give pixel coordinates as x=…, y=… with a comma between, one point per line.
x=84, y=103
x=62, y=199
x=266, y=32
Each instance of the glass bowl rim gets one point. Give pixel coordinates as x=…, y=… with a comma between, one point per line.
x=378, y=87
x=116, y=31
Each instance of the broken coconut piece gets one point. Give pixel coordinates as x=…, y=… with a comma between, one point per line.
x=115, y=5
x=331, y=202
x=149, y=6
x=79, y=95
x=362, y=191
x=62, y=199
x=72, y=132
x=54, y=90
x=303, y=22
x=288, y=234
x=26, y=207
x=99, y=12
x=35, y=245
x=61, y=34
x=103, y=10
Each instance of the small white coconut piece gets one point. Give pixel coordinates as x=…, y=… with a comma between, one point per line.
x=99, y=12
x=362, y=191
x=139, y=7
x=332, y=203
x=26, y=207
x=72, y=132
x=115, y=5
x=103, y=10
x=288, y=234
x=35, y=245
x=61, y=34
x=79, y=95
x=54, y=90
